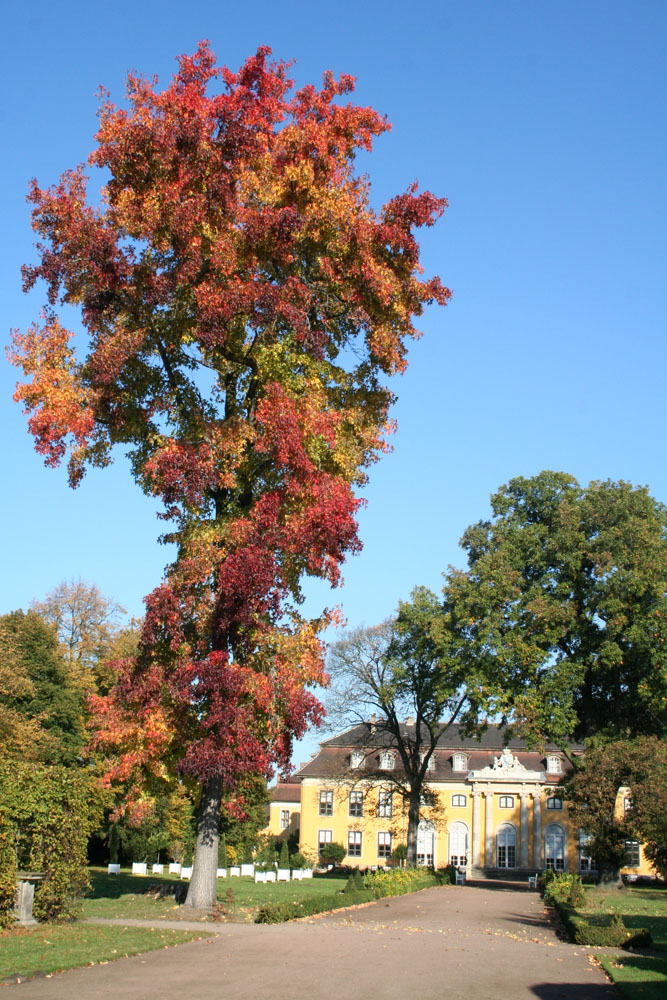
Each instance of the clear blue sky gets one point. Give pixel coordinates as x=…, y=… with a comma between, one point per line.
x=542, y=123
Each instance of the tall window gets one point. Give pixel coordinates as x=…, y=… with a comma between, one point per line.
x=356, y=804
x=554, y=764
x=354, y=843
x=458, y=801
x=460, y=762
x=586, y=863
x=387, y=760
x=326, y=803
x=554, y=848
x=385, y=804
x=384, y=845
x=506, y=801
x=632, y=854
x=553, y=802
x=284, y=819
x=506, y=846
x=324, y=837
x=357, y=758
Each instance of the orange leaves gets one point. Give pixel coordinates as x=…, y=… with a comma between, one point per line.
x=55, y=397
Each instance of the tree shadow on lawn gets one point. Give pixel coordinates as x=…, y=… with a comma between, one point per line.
x=103, y=886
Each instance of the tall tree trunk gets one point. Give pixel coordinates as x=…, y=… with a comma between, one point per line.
x=201, y=892
x=413, y=828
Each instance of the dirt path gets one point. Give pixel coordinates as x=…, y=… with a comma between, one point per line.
x=455, y=943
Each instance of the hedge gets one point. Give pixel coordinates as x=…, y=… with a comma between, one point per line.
x=613, y=935
x=278, y=913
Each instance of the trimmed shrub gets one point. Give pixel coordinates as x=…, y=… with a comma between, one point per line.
x=612, y=935
x=298, y=861
x=399, y=881
x=277, y=913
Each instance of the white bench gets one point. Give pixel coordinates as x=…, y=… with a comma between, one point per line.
x=186, y=872
x=175, y=868
x=139, y=868
x=113, y=869
x=158, y=869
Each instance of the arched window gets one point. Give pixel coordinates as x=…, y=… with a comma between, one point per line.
x=387, y=760
x=357, y=758
x=554, y=764
x=554, y=802
x=506, y=846
x=426, y=843
x=458, y=844
x=458, y=801
x=506, y=801
x=460, y=762
x=554, y=848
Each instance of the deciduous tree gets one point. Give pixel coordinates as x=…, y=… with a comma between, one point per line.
x=244, y=304
x=406, y=675
x=564, y=607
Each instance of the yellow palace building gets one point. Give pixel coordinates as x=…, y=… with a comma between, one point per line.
x=491, y=806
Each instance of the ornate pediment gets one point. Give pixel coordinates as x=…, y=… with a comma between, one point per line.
x=506, y=766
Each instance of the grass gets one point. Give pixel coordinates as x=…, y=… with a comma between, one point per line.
x=123, y=896
x=640, y=907
x=640, y=977
x=26, y=952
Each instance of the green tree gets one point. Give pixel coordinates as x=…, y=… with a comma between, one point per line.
x=243, y=817
x=639, y=764
x=333, y=853
x=563, y=607
x=405, y=675
x=283, y=860
x=38, y=699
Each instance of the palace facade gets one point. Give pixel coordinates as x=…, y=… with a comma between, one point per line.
x=490, y=805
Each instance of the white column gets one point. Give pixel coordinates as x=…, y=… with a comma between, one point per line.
x=524, y=829
x=476, y=829
x=537, y=829
x=488, y=840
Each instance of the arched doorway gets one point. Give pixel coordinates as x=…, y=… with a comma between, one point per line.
x=506, y=846
x=554, y=847
x=426, y=844
x=458, y=844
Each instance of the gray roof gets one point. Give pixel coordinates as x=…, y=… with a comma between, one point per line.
x=493, y=738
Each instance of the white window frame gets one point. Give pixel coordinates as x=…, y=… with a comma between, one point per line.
x=459, y=801
x=430, y=766
x=354, y=843
x=285, y=818
x=357, y=758
x=356, y=799
x=460, y=762
x=384, y=843
x=387, y=760
x=323, y=837
x=326, y=803
x=385, y=804
x=554, y=764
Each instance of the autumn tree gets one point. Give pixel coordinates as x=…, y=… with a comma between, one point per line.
x=87, y=624
x=404, y=676
x=563, y=607
x=244, y=305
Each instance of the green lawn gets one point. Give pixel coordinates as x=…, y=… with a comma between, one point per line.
x=123, y=896
x=25, y=952
x=640, y=977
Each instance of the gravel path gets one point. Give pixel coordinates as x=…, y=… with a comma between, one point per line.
x=455, y=943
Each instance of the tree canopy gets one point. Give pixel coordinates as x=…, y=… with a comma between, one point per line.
x=244, y=304
x=564, y=607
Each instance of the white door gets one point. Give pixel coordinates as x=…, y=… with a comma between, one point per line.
x=458, y=845
x=506, y=846
x=426, y=844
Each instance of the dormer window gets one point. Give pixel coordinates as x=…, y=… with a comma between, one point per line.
x=357, y=758
x=430, y=765
x=387, y=760
x=460, y=762
x=554, y=764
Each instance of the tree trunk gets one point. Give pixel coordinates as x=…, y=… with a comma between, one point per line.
x=413, y=828
x=201, y=892
x=610, y=879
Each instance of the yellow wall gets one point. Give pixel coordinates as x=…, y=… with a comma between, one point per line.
x=274, y=826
